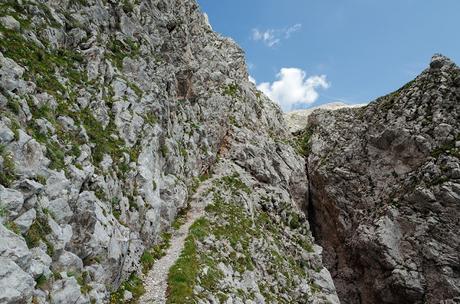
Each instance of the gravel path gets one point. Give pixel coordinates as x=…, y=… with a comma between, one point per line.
x=156, y=281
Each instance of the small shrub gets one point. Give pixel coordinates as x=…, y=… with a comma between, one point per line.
x=294, y=223
x=14, y=106
x=12, y=227
x=128, y=7
x=38, y=231
x=41, y=281
x=7, y=175
x=164, y=150
x=234, y=183
x=231, y=90
x=41, y=179
x=303, y=144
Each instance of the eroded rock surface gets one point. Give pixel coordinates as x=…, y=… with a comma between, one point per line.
x=385, y=192
x=111, y=113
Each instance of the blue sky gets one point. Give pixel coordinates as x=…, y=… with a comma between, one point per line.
x=319, y=51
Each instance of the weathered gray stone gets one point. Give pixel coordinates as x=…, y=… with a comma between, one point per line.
x=28, y=155
x=28, y=187
x=69, y=262
x=10, y=74
x=10, y=23
x=40, y=264
x=16, y=286
x=14, y=247
x=6, y=135
x=60, y=209
x=25, y=220
x=66, y=291
x=384, y=191
x=11, y=200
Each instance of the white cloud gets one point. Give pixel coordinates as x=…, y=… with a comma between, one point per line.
x=268, y=37
x=292, y=29
x=251, y=79
x=272, y=37
x=293, y=87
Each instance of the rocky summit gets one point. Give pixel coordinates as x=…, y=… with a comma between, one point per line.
x=138, y=164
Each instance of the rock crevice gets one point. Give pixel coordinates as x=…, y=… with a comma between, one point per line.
x=383, y=189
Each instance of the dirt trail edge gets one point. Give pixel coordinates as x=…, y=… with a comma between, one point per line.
x=156, y=281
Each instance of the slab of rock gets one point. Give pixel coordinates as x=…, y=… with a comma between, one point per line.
x=66, y=291
x=16, y=286
x=14, y=247
x=10, y=23
x=385, y=193
x=25, y=220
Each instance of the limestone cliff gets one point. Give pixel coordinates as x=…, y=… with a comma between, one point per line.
x=131, y=138
x=385, y=192
x=112, y=115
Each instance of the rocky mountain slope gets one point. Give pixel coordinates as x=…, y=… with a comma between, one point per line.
x=112, y=114
x=385, y=192
x=123, y=123
x=297, y=120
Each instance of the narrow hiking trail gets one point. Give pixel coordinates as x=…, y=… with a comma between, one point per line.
x=156, y=281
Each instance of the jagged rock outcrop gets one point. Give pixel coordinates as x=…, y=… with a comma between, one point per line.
x=111, y=113
x=385, y=192
x=114, y=112
x=298, y=120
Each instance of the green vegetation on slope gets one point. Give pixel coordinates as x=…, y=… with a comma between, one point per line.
x=182, y=276
x=228, y=222
x=134, y=285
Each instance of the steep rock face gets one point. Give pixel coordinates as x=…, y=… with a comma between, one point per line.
x=111, y=113
x=385, y=192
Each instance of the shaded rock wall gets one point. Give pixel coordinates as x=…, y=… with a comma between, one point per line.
x=384, y=187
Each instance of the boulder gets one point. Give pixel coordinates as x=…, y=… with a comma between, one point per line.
x=10, y=23
x=16, y=286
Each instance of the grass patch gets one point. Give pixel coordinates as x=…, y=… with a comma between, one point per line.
x=42, y=65
x=181, y=217
x=134, y=285
x=12, y=227
x=121, y=49
x=196, y=182
x=150, y=118
x=233, y=183
x=136, y=89
x=8, y=172
x=229, y=222
x=182, y=276
x=231, y=90
x=3, y=211
x=14, y=106
x=302, y=142
x=164, y=150
x=41, y=281
x=37, y=232
x=150, y=256
x=81, y=278
x=448, y=148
